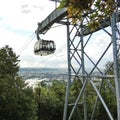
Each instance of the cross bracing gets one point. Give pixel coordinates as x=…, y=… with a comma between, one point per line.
x=86, y=67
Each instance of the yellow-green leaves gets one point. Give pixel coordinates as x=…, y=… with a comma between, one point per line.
x=101, y=9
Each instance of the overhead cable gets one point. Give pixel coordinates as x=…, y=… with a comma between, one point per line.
x=28, y=41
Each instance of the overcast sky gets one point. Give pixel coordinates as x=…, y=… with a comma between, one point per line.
x=18, y=21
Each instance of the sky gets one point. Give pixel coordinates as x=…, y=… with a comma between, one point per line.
x=18, y=22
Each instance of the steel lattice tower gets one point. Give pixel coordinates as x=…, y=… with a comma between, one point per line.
x=77, y=52
x=79, y=44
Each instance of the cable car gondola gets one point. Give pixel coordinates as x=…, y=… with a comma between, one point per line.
x=44, y=47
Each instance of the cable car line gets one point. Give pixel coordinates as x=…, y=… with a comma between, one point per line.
x=29, y=40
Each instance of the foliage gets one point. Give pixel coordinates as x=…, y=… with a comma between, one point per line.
x=50, y=100
x=102, y=9
x=8, y=62
x=97, y=10
x=16, y=99
x=109, y=68
x=18, y=102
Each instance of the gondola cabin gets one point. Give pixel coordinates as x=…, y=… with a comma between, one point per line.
x=44, y=47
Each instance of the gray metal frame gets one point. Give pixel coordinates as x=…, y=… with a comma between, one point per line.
x=79, y=37
x=116, y=55
x=77, y=53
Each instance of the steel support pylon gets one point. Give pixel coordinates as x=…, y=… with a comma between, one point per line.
x=88, y=53
x=116, y=56
x=87, y=68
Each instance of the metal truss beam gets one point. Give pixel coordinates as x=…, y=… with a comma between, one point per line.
x=55, y=16
x=58, y=14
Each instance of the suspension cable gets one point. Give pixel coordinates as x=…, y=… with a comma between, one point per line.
x=28, y=41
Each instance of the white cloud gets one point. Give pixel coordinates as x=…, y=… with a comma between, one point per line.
x=18, y=21
x=97, y=46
